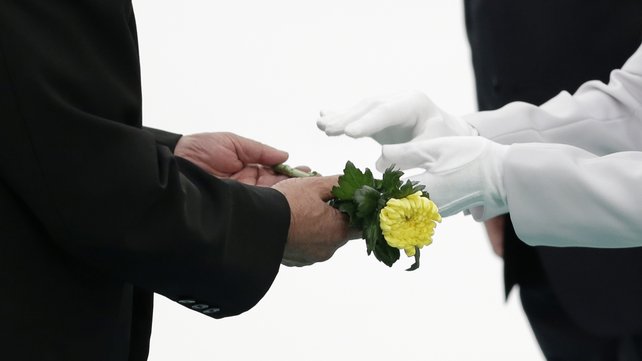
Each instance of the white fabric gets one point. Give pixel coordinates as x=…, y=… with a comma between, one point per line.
x=460, y=172
x=396, y=119
x=585, y=191
x=599, y=118
x=559, y=194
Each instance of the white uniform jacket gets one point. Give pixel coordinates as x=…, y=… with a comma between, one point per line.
x=573, y=175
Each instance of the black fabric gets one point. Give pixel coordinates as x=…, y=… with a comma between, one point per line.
x=561, y=339
x=97, y=213
x=141, y=324
x=558, y=336
x=530, y=51
x=164, y=138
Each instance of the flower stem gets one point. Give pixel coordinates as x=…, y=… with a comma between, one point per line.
x=293, y=172
x=416, y=264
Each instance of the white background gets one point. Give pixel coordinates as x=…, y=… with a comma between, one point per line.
x=263, y=69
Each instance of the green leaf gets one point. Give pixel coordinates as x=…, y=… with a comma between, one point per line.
x=349, y=208
x=417, y=187
x=351, y=180
x=369, y=178
x=367, y=200
x=378, y=185
x=407, y=189
x=382, y=250
x=372, y=235
x=391, y=180
x=382, y=202
x=386, y=254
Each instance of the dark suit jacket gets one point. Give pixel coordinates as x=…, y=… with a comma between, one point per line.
x=530, y=50
x=95, y=212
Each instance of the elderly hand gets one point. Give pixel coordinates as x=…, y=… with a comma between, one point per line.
x=227, y=155
x=461, y=173
x=317, y=229
x=397, y=119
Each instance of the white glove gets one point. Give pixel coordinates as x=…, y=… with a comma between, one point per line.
x=397, y=119
x=461, y=173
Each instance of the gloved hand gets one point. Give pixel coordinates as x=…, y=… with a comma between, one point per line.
x=397, y=119
x=461, y=173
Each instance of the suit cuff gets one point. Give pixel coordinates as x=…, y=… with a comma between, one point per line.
x=165, y=138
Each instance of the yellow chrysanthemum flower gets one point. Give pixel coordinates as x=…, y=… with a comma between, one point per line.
x=409, y=222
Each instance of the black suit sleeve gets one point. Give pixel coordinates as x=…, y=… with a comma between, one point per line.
x=164, y=138
x=109, y=194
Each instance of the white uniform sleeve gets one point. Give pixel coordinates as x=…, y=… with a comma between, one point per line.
x=599, y=118
x=559, y=195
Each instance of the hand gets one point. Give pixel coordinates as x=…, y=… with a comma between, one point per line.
x=317, y=229
x=396, y=119
x=461, y=173
x=227, y=155
x=495, y=231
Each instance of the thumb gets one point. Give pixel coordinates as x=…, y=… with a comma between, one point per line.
x=252, y=152
x=323, y=186
x=443, y=192
x=404, y=155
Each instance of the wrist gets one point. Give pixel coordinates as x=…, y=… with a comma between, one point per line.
x=165, y=138
x=183, y=146
x=495, y=202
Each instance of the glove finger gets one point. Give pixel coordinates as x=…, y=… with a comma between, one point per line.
x=382, y=164
x=324, y=115
x=335, y=124
x=405, y=155
x=371, y=123
x=441, y=192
